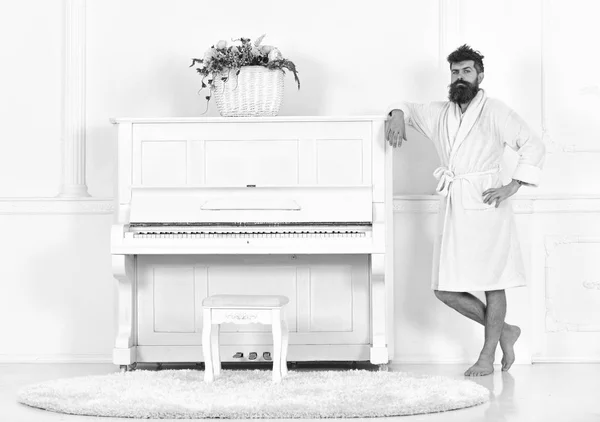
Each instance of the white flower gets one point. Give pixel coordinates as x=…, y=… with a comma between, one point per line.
x=275, y=54
x=209, y=54
x=266, y=49
x=222, y=44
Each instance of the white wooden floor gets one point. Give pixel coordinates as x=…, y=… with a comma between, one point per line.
x=529, y=393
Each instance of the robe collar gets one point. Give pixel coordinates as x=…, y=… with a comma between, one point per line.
x=458, y=129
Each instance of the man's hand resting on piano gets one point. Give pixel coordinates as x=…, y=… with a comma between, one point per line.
x=395, y=131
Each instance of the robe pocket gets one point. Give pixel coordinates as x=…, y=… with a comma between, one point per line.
x=473, y=188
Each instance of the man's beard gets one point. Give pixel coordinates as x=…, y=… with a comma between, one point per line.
x=462, y=92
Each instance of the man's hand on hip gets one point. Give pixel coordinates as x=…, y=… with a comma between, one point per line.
x=500, y=194
x=395, y=131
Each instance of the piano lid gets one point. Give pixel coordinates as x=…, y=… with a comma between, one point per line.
x=252, y=205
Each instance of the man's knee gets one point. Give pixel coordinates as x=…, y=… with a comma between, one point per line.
x=443, y=296
x=493, y=296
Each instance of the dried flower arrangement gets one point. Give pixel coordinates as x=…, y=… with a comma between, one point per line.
x=223, y=61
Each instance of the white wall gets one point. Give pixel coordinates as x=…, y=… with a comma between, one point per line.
x=352, y=57
x=30, y=87
x=57, y=291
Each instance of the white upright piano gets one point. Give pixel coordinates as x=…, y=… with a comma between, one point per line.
x=294, y=206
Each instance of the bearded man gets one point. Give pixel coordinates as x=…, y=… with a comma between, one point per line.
x=476, y=245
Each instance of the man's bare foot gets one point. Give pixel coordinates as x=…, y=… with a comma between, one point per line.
x=484, y=366
x=509, y=337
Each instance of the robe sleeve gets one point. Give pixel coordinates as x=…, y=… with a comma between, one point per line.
x=529, y=146
x=419, y=116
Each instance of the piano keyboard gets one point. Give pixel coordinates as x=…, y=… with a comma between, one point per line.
x=246, y=235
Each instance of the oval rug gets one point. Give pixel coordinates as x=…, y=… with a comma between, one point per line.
x=247, y=394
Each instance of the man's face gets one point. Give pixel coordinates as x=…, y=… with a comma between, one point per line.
x=465, y=82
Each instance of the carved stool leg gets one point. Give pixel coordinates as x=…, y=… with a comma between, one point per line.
x=284, y=344
x=206, y=346
x=214, y=354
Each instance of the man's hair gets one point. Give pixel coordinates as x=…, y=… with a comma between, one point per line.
x=464, y=52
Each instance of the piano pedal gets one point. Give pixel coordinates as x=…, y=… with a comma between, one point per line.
x=252, y=355
x=238, y=355
x=267, y=356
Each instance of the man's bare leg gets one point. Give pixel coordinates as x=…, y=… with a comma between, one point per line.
x=495, y=312
x=473, y=308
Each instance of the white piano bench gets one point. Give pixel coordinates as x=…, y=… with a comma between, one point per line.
x=244, y=309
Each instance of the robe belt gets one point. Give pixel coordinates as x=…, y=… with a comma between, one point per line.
x=445, y=177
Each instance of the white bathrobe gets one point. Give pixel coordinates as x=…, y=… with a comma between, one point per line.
x=476, y=246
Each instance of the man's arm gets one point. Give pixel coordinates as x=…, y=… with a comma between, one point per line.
x=421, y=117
x=521, y=183
x=529, y=146
x=531, y=152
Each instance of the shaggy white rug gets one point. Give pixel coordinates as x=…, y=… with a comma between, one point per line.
x=249, y=394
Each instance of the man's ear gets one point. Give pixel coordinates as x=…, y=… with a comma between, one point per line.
x=480, y=77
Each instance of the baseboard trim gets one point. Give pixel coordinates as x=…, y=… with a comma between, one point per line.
x=566, y=360
x=66, y=358
x=446, y=361
x=4, y=359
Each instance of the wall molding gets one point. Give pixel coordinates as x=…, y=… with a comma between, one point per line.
x=449, y=27
x=419, y=204
x=546, y=138
x=430, y=204
x=50, y=206
x=571, y=148
x=552, y=323
x=591, y=284
x=73, y=184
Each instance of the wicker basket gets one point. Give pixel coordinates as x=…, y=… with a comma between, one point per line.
x=256, y=91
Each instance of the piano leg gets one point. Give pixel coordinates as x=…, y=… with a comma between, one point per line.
x=379, y=351
x=125, y=368
x=384, y=367
x=124, y=352
x=277, y=337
